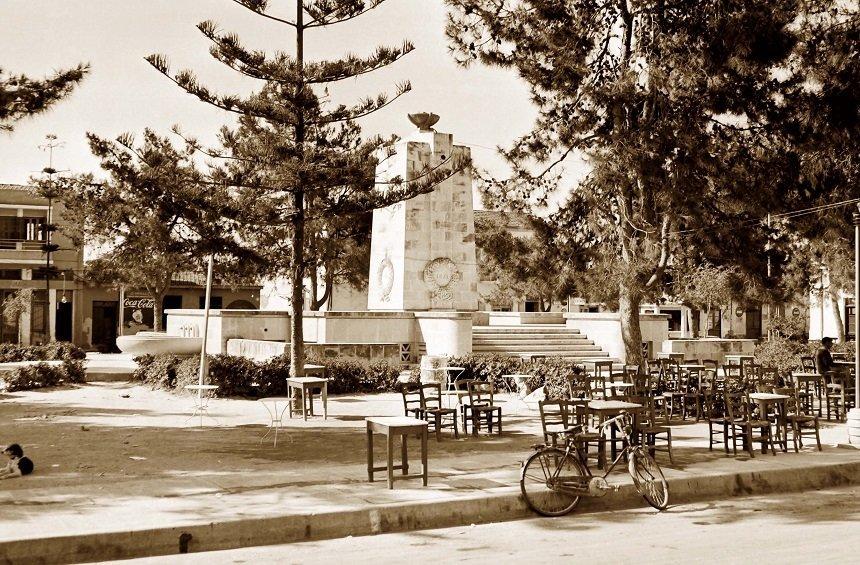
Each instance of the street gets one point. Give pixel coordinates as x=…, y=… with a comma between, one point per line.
x=814, y=526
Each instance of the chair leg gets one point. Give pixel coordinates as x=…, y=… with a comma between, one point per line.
x=456, y=433
x=438, y=423
x=817, y=438
x=710, y=436
x=669, y=443
x=726, y=439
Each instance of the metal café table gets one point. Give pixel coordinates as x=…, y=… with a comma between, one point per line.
x=765, y=400
x=606, y=409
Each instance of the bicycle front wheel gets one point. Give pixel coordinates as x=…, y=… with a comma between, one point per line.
x=649, y=479
x=540, y=481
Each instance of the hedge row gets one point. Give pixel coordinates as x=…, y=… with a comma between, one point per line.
x=238, y=376
x=43, y=375
x=54, y=351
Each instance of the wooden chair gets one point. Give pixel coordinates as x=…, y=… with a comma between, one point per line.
x=553, y=419
x=675, y=388
x=770, y=377
x=481, y=407
x=578, y=386
x=834, y=395
x=460, y=389
x=807, y=364
x=653, y=428
x=433, y=411
x=743, y=425
x=599, y=377
x=798, y=420
x=718, y=421
x=693, y=393
x=733, y=377
x=579, y=417
x=411, y=394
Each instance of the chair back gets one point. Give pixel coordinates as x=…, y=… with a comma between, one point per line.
x=737, y=406
x=578, y=387
x=807, y=363
x=770, y=376
x=734, y=376
x=792, y=405
x=578, y=413
x=553, y=416
x=642, y=385
x=710, y=364
x=431, y=396
x=480, y=393
x=411, y=394
x=603, y=369
x=597, y=387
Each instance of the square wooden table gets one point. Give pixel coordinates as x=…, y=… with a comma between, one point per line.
x=765, y=400
x=606, y=409
x=392, y=426
x=307, y=386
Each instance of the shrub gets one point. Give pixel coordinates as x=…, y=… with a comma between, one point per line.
x=782, y=353
x=551, y=372
x=42, y=375
x=158, y=371
x=55, y=351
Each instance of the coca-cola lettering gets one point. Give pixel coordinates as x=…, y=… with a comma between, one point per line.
x=131, y=302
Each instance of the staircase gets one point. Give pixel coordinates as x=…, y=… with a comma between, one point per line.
x=551, y=340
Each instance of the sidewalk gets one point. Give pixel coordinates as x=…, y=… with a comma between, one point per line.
x=132, y=478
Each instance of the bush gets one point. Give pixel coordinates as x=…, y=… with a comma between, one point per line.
x=551, y=372
x=782, y=353
x=158, y=371
x=55, y=351
x=43, y=375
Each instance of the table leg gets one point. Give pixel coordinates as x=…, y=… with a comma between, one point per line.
x=390, y=452
x=424, y=455
x=325, y=400
x=404, y=457
x=304, y=405
x=369, y=454
x=290, y=401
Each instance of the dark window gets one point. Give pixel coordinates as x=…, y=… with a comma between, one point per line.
x=10, y=274
x=674, y=319
x=215, y=302
x=715, y=327
x=532, y=306
x=170, y=302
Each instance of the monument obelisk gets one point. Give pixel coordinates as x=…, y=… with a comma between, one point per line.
x=422, y=251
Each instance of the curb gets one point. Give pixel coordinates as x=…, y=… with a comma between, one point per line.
x=497, y=507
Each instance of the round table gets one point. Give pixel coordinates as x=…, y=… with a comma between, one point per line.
x=276, y=414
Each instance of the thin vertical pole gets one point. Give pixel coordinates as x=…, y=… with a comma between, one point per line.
x=857, y=308
x=769, y=309
x=203, y=367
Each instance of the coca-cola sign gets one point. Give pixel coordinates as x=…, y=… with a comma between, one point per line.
x=143, y=303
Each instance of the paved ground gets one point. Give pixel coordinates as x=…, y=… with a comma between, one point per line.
x=817, y=526
x=114, y=457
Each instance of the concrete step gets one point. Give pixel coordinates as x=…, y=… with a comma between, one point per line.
x=581, y=355
x=535, y=346
x=530, y=329
x=513, y=339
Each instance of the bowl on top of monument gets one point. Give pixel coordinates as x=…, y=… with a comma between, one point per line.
x=424, y=120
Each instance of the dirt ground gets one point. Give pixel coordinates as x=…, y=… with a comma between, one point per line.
x=109, y=432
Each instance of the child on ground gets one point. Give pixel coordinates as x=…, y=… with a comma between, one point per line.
x=18, y=464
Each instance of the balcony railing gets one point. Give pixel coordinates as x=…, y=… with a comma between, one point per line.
x=21, y=244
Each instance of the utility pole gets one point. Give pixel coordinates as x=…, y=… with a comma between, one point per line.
x=769, y=274
x=854, y=413
x=49, y=247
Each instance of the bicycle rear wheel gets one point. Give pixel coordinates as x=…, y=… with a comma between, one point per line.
x=649, y=479
x=541, y=474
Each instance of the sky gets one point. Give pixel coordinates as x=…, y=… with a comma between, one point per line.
x=481, y=106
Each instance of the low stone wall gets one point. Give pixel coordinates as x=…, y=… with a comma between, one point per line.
x=260, y=350
x=604, y=328
x=520, y=318
x=710, y=348
x=229, y=324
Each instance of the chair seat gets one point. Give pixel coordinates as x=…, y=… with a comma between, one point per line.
x=654, y=429
x=440, y=411
x=801, y=418
x=587, y=436
x=753, y=423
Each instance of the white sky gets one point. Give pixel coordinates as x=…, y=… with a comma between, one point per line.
x=480, y=106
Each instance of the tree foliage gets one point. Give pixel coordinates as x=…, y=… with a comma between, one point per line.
x=679, y=108
x=153, y=217
x=21, y=96
x=295, y=159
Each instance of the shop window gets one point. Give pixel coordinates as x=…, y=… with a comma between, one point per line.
x=215, y=302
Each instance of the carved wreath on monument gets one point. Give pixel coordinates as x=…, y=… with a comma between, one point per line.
x=385, y=278
x=439, y=275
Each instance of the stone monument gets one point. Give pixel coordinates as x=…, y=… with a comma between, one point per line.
x=422, y=251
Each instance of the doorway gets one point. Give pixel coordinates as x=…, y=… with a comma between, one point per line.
x=753, y=318
x=105, y=320
x=63, y=324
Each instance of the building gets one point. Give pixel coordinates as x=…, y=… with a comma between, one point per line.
x=62, y=306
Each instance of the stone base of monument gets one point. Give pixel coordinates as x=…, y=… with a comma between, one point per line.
x=154, y=343
x=854, y=427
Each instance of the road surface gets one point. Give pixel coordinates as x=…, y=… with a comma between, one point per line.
x=815, y=526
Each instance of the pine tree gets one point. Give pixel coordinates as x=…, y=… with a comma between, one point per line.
x=294, y=157
x=677, y=107
x=21, y=96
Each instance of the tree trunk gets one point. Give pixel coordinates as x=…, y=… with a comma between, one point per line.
x=840, y=324
x=297, y=341
x=314, y=280
x=631, y=332
x=157, y=308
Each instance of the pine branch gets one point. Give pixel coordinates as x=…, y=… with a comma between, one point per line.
x=21, y=96
x=363, y=108
x=255, y=106
x=259, y=8
x=352, y=66
x=329, y=12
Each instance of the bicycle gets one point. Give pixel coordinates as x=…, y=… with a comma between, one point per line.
x=553, y=480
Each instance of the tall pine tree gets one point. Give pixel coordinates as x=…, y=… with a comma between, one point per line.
x=677, y=107
x=295, y=157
